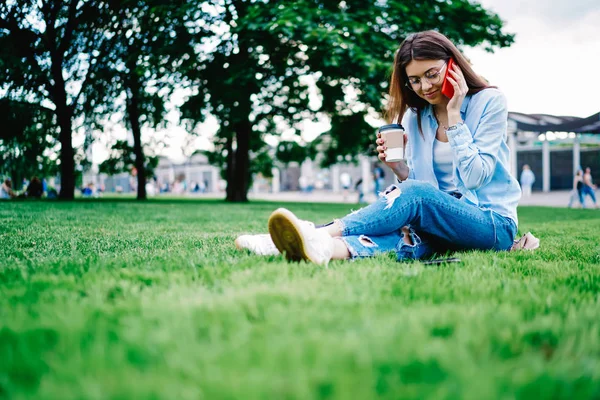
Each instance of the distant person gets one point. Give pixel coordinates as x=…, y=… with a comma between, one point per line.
x=6, y=191
x=577, y=192
x=150, y=188
x=379, y=178
x=35, y=189
x=527, y=180
x=165, y=188
x=589, y=188
x=358, y=187
x=89, y=190
x=455, y=192
x=51, y=193
x=303, y=184
x=178, y=187
x=346, y=183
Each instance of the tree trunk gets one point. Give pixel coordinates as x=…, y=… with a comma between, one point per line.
x=15, y=179
x=133, y=113
x=238, y=177
x=64, y=113
x=229, y=164
x=238, y=171
x=67, y=162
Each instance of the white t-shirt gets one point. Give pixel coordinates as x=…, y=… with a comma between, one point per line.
x=442, y=165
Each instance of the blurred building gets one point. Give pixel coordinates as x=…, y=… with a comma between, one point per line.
x=555, y=147
x=195, y=175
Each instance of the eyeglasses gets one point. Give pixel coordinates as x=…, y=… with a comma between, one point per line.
x=433, y=77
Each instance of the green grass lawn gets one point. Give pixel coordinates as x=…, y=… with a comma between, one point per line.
x=115, y=299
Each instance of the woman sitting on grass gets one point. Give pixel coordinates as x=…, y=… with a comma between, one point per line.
x=455, y=191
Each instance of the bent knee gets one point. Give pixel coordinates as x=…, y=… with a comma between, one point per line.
x=408, y=190
x=417, y=188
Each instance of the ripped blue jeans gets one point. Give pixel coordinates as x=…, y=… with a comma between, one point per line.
x=438, y=222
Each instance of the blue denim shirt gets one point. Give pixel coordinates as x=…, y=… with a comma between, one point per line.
x=481, y=157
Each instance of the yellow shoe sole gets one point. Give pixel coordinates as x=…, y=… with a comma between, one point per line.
x=285, y=232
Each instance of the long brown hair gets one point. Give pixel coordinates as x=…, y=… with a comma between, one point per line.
x=427, y=45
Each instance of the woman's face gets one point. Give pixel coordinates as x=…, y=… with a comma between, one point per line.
x=425, y=78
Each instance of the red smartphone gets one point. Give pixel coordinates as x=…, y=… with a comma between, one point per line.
x=447, y=88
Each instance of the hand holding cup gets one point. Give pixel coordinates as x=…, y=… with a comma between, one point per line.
x=391, y=143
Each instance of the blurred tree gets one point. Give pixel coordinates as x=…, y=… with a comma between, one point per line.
x=254, y=57
x=148, y=44
x=27, y=135
x=48, y=51
x=290, y=151
x=123, y=158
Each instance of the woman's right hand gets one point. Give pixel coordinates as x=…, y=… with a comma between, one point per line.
x=398, y=167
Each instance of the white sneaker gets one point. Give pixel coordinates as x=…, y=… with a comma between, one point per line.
x=258, y=244
x=299, y=240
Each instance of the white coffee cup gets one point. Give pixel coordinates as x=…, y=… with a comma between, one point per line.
x=394, y=141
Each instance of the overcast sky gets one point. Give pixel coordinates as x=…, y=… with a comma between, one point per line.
x=552, y=68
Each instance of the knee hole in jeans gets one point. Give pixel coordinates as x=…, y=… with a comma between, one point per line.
x=366, y=241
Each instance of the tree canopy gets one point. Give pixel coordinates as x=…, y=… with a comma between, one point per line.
x=254, y=58
x=148, y=43
x=47, y=55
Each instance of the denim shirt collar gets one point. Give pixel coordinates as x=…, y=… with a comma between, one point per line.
x=428, y=111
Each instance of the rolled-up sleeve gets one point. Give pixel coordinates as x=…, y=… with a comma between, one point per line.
x=476, y=153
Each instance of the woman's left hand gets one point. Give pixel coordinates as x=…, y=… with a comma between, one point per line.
x=457, y=79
